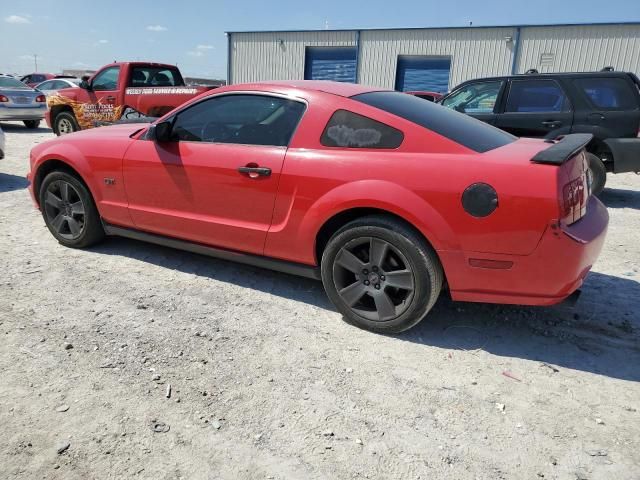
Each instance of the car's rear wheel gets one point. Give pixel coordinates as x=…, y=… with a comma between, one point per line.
x=69, y=211
x=65, y=123
x=381, y=274
x=31, y=124
x=598, y=173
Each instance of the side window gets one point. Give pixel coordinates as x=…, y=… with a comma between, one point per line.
x=38, y=78
x=49, y=85
x=154, y=77
x=26, y=79
x=348, y=129
x=475, y=98
x=107, y=79
x=240, y=119
x=608, y=93
x=536, y=96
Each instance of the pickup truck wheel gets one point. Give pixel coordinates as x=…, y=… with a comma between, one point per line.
x=598, y=173
x=31, y=124
x=69, y=211
x=65, y=123
x=380, y=274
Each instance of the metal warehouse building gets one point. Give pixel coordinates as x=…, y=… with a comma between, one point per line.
x=435, y=59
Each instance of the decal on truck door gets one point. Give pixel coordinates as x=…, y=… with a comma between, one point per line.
x=87, y=114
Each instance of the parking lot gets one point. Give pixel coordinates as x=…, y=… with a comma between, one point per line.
x=130, y=360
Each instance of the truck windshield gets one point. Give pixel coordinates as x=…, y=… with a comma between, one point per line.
x=149, y=76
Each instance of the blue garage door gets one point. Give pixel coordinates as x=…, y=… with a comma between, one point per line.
x=330, y=63
x=416, y=72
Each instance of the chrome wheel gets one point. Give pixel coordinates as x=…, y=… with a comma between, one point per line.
x=65, y=126
x=64, y=210
x=374, y=278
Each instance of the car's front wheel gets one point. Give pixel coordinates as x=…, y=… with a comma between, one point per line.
x=65, y=123
x=381, y=274
x=31, y=124
x=69, y=211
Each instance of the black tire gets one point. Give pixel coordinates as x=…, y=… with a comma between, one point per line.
x=65, y=123
x=71, y=217
x=598, y=173
x=409, y=274
x=31, y=124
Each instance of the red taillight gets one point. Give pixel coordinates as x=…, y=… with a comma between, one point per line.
x=41, y=98
x=3, y=98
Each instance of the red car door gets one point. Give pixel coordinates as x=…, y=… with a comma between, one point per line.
x=215, y=180
x=100, y=101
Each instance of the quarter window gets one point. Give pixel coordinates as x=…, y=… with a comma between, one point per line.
x=348, y=129
x=474, y=98
x=107, y=79
x=608, y=93
x=240, y=119
x=536, y=96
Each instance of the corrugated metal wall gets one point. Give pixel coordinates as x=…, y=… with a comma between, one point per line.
x=280, y=55
x=474, y=53
x=580, y=48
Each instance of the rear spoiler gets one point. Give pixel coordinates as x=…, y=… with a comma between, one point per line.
x=563, y=148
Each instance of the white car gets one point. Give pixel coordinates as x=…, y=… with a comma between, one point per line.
x=51, y=86
x=1, y=144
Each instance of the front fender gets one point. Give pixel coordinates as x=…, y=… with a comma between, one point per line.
x=68, y=154
x=382, y=195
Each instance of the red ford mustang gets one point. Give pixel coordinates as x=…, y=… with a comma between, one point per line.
x=383, y=196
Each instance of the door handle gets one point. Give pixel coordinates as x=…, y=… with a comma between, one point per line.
x=110, y=98
x=552, y=123
x=255, y=172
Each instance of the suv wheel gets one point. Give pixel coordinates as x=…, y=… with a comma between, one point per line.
x=598, y=173
x=69, y=211
x=65, y=123
x=380, y=274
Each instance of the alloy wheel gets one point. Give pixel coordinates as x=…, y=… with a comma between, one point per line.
x=64, y=210
x=374, y=278
x=65, y=126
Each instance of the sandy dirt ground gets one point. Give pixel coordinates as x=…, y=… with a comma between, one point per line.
x=267, y=382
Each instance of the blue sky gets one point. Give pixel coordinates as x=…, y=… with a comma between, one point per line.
x=90, y=33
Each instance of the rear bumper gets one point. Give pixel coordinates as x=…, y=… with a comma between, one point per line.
x=23, y=113
x=550, y=274
x=626, y=154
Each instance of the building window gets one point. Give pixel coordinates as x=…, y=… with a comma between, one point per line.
x=330, y=63
x=422, y=73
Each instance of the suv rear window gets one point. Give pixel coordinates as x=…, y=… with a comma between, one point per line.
x=458, y=127
x=608, y=93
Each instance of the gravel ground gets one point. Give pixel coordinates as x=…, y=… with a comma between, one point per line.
x=267, y=381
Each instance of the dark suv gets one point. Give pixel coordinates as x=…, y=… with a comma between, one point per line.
x=605, y=104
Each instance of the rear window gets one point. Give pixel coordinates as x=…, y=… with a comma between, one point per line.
x=348, y=129
x=155, y=77
x=458, y=127
x=608, y=93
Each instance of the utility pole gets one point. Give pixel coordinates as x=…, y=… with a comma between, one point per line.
x=35, y=61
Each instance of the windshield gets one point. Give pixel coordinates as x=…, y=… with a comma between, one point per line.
x=8, y=82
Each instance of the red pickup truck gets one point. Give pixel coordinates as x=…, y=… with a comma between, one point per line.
x=120, y=90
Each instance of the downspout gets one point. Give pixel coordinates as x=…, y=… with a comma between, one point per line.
x=516, y=52
x=228, y=58
x=357, y=56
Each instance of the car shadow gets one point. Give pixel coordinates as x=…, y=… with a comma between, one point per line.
x=619, y=198
x=599, y=335
x=10, y=182
x=19, y=128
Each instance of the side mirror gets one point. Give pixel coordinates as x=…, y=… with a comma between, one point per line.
x=160, y=132
x=85, y=82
